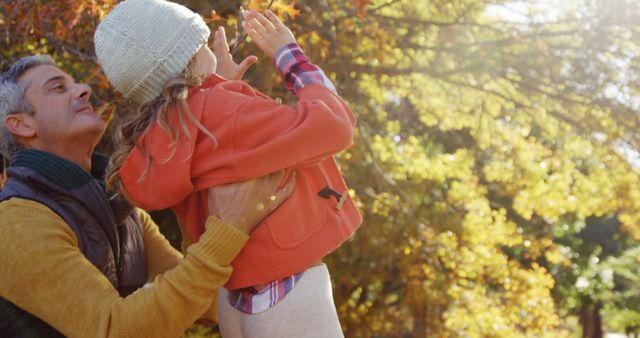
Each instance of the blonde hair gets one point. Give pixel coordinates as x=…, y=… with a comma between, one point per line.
x=172, y=100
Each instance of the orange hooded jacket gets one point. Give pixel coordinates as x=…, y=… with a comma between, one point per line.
x=256, y=136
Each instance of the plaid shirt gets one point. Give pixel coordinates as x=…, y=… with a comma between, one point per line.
x=297, y=72
x=256, y=299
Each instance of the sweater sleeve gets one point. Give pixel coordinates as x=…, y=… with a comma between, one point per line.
x=162, y=257
x=268, y=136
x=43, y=272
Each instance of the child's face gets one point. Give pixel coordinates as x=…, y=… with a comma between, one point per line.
x=204, y=62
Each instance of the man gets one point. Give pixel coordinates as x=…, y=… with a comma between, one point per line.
x=72, y=258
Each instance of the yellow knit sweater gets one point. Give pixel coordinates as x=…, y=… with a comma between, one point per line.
x=43, y=272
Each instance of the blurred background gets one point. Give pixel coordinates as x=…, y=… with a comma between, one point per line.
x=495, y=159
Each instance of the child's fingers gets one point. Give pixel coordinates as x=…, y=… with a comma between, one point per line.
x=275, y=21
x=217, y=47
x=246, y=63
x=249, y=28
x=255, y=35
x=220, y=45
x=222, y=36
x=248, y=14
x=264, y=21
x=256, y=26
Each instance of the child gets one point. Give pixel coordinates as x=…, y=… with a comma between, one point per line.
x=194, y=130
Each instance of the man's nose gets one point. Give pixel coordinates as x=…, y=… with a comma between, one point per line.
x=83, y=91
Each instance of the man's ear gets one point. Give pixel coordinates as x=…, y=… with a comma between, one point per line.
x=19, y=125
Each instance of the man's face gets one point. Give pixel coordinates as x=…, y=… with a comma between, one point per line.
x=64, y=119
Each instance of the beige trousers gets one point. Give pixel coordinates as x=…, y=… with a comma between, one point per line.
x=306, y=311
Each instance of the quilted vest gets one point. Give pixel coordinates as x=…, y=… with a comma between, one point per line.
x=108, y=230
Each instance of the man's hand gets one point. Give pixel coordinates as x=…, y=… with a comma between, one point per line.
x=227, y=68
x=245, y=204
x=269, y=33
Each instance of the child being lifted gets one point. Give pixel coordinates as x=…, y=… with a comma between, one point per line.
x=194, y=129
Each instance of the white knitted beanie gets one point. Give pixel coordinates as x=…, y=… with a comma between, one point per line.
x=142, y=44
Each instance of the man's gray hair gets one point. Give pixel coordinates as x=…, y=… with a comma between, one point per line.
x=12, y=100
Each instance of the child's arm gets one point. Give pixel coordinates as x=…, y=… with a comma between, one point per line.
x=277, y=41
x=321, y=124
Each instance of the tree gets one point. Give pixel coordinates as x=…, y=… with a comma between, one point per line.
x=622, y=299
x=478, y=138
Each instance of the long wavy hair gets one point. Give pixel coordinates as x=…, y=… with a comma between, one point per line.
x=171, y=103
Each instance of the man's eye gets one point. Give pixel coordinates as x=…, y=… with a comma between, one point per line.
x=59, y=88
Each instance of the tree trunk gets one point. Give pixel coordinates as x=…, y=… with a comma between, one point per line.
x=420, y=322
x=590, y=320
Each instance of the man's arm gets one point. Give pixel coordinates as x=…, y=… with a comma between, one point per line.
x=43, y=271
x=161, y=256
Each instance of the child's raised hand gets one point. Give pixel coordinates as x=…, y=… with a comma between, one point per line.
x=267, y=31
x=226, y=66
